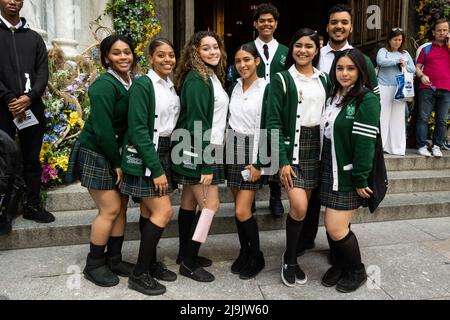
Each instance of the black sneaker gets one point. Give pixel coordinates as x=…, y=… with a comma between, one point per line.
x=145, y=284
x=198, y=274
x=202, y=261
x=254, y=266
x=352, y=280
x=38, y=214
x=332, y=276
x=159, y=271
x=300, y=276
x=288, y=273
x=240, y=262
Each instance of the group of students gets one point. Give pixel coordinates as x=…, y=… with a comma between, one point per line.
x=322, y=128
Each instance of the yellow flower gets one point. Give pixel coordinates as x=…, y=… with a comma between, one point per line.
x=62, y=162
x=44, y=150
x=73, y=119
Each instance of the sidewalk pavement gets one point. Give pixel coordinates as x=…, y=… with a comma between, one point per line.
x=407, y=259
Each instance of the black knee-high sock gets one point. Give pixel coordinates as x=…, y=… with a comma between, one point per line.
x=149, y=240
x=154, y=258
x=243, y=239
x=142, y=222
x=114, y=246
x=185, y=218
x=331, y=244
x=251, y=230
x=348, y=251
x=293, y=230
x=192, y=247
x=97, y=252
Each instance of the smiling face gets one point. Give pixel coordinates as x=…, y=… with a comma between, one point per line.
x=304, y=51
x=346, y=72
x=163, y=60
x=266, y=26
x=246, y=64
x=339, y=27
x=120, y=58
x=209, y=51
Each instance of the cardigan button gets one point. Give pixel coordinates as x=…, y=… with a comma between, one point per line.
x=295, y=145
x=298, y=117
x=156, y=130
x=297, y=131
x=156, y=116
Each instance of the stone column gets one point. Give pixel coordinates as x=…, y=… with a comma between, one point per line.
x=67, y=15
x=33, y=11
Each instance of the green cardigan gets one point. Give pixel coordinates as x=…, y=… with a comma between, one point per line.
x=197, y=105
x=140, y=143
x=280, y=112
x=107, y=122
x=353, y=142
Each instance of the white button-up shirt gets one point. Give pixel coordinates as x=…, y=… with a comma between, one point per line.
x=327, y=57
x=167, y=104
x=221, y=101
x=245, y=107
x=311, y=97
x=273, y=47
x=330, y=116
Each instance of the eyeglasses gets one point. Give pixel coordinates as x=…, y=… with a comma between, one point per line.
x=397, y=29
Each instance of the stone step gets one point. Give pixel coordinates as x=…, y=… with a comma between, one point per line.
x=413, y=161
x=75, y=197
x=419, y=181
x=73, y=227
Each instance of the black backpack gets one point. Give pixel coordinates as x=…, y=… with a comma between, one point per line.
x=12, y=186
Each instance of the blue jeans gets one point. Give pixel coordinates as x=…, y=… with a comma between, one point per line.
x=429, y=101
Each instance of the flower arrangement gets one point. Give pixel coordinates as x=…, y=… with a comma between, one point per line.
x=67, y=105
x=428, y=12
x=137, y=20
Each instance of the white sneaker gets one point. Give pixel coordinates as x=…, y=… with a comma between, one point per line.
x=424, y=152
x=437, y=151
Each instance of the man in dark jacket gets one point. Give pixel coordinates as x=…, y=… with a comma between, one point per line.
x=23, y=79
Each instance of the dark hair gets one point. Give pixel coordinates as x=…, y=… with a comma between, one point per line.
x=108, y=42
x=395, y=33
x=440, y=21
x=265, y=8
x=340, y=8
x=250, y=49
x=156, y=43
x=303, y=32
x=361, y=84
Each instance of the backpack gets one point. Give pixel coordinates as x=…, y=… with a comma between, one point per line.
x=12, y=186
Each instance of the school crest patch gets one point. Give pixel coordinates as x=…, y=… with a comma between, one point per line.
x=351, y=110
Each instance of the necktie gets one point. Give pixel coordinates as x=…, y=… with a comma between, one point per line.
x=266, y=51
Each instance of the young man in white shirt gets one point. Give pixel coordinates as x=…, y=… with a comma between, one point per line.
x=339, y=28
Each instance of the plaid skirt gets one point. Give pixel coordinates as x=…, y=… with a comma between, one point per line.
x=143, y=187
x=308, y=169
x=91, y=168
x=338, y=200
x=218, y=174
x=241, y=150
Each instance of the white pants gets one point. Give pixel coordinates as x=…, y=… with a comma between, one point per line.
x=392, y=121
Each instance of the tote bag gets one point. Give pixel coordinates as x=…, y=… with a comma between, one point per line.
x=405, y=86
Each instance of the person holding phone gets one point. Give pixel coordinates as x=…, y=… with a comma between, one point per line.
x=242, y=142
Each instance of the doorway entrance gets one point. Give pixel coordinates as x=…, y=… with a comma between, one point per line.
x=233, y=20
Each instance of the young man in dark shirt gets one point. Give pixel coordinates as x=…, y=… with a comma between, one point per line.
x=23, y=79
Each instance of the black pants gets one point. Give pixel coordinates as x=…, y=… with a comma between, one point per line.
x=30, y=144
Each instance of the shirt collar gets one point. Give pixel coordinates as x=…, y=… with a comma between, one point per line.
x=295, y=74
x=327, y=49
x=119, y=78
x=258, y=83
x=9, y=25
x=156, y=78
x=259, y=42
